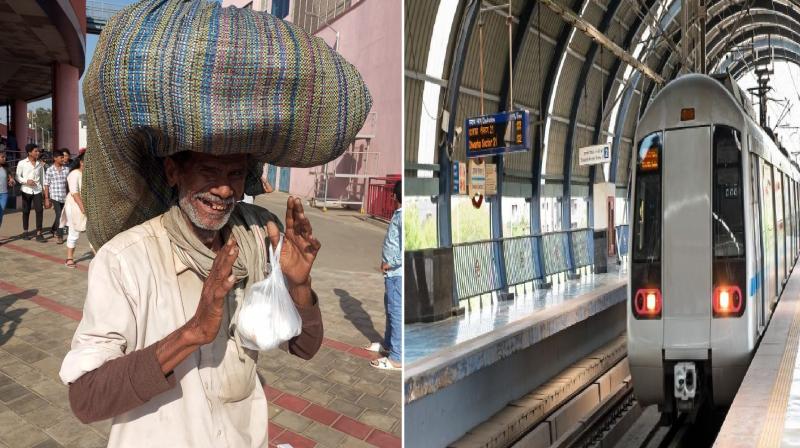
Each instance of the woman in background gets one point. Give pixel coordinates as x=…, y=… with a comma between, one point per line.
x=6, y=181
x=74, y=215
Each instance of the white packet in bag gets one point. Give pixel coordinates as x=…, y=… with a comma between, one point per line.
x=268, y=315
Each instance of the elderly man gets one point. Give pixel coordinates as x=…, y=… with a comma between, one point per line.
x=157, y=348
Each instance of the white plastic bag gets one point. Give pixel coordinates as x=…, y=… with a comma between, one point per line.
x=268, y=315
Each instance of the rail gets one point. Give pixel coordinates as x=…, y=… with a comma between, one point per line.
x=476, y=271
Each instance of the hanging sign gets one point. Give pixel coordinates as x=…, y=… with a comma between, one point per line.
x=490, y=183
x=459, y=178
x=462, y=178
x=498, y=133
x=477, y=178
x=594, y=155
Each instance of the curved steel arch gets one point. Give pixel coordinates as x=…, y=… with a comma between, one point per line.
x=569, y=142
x=740, y=69
x=761, y=44
x=465, y=28
x=742, y=35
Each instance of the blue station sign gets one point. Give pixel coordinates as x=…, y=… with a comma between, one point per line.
x=498, y=133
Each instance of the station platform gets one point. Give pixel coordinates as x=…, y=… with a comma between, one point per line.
x=334, y=399
x=462, y=370
x=766, y=410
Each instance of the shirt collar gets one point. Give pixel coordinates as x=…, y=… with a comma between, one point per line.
x=180, y=268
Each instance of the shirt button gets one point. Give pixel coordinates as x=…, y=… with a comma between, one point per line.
x=219, y=433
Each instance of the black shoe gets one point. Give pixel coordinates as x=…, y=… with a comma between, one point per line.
x=40, y=238
x=26, y=236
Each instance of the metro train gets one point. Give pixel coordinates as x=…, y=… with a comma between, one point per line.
x=713, y=240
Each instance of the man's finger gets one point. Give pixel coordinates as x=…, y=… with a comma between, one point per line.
x=226, y=256
x=290, y=214
x=273, y=233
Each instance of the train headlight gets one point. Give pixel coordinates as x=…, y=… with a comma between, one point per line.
x=651, y=301
x=724, y=300
x=647, y=304
x=727, y=301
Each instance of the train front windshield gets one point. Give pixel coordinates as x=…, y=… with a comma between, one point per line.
x=647, y=203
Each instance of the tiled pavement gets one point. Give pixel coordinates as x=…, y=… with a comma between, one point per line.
x=335, y=399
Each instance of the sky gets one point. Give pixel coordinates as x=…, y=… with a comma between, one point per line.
x=786, y=90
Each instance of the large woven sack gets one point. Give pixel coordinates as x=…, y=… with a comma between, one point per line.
x=176, y=75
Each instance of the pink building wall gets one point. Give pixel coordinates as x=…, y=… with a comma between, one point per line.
x=370, y=37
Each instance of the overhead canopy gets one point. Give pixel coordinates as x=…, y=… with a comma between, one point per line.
x=36, y=34
x=561, y=75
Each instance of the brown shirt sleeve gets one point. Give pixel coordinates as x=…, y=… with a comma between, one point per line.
x=307, y=343
x=118, y=386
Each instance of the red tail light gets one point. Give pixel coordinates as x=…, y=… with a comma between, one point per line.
x=727, y=301
x=647, y=303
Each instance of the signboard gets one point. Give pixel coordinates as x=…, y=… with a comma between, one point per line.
x=490, y=184
x=462, y=178
x=477, y=177
x=498, y=133
x=459, y=178
x=594, y=155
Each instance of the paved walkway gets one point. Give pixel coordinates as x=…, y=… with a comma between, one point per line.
x=335, y=399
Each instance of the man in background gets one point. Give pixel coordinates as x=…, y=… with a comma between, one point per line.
x=29, y=175
x=55, y=189
x=391, y=266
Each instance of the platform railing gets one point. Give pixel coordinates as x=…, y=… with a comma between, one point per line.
x=476, y=271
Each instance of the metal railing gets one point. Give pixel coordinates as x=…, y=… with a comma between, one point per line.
x=313, y=15
x=477, y=273
x=98, y=12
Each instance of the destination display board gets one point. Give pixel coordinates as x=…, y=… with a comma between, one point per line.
x=498, y=133
x=594, y=155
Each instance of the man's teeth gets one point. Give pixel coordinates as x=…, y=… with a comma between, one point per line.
x=215, y=205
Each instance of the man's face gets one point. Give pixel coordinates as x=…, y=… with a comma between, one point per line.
x=2, y=159
x=35, y=153
x=208, y=187
x=59, y=158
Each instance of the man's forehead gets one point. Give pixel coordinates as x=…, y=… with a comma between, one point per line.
x=220, y=160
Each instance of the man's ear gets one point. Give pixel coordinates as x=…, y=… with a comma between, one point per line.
x=171, y=169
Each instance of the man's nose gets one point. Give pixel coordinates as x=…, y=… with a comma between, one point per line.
x=223, y=191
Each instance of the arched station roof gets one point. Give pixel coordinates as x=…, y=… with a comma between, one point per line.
x=572, y=86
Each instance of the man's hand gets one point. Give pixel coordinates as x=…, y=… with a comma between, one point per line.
x=30, y=183
x=385, y=267
x=299, y=250
x=47, y=203
x=204, y=326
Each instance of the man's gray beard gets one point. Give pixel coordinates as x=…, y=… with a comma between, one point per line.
x=185, y=203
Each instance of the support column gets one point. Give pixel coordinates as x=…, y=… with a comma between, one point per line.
x=65, y=107
x=19, y=117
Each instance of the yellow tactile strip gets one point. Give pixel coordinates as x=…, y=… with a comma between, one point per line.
x=772, y=431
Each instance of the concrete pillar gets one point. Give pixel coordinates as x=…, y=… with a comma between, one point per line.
x=20, y=119
x=65, y=107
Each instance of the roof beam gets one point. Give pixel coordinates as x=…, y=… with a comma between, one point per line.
x=593, y=33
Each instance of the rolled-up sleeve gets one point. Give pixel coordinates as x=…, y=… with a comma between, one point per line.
x=106, y=377
x=392, y=251
x=307, y=343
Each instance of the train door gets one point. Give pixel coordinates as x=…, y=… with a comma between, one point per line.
x=768, y=234
x=686, y=265
x=756, y=286
x=780, y=247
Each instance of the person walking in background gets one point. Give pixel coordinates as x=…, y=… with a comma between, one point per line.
x=74, y=215
x=391, y=266
x=6, y=182
x=30, y=173
x=55, y=189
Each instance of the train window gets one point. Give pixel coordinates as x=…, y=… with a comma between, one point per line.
x=728, y=216
x=647, y=203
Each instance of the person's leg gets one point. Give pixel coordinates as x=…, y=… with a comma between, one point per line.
x=72, y=242
x=3, y=201
x=395, y=313
x=38, y=207
x=56, y=228
x=26, y=211
x=387, y=335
